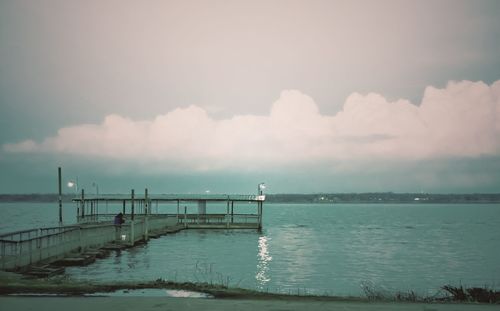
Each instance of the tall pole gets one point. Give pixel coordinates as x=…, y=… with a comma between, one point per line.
x=96, y=201
x=132, y=203
x=60, y=194
x=177, y=216
x=146, y=205
x=83, y=203
x=260, y=189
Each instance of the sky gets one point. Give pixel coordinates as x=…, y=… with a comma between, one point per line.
x=195, y=96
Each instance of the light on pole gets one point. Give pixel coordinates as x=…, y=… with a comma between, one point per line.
x=261, y=188
x=73, y=184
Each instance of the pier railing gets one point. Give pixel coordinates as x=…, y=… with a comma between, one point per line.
x=231, y=219
x=32, y=233
x=219, y=220
x=22, y=248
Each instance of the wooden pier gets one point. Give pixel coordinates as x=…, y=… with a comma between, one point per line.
x=96, y=230
x=244, y=216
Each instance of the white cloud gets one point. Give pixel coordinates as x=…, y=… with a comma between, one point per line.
x=24, y=146
x=461, y=120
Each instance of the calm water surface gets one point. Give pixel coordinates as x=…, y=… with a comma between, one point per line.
x=312, y=248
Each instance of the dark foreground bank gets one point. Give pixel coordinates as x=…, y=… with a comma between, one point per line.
x=16, y=288
x=160, y=303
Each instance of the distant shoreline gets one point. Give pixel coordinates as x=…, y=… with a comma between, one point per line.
x=324, y=198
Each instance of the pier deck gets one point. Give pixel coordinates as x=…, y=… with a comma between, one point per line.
x=94, y=230
x=134, y=205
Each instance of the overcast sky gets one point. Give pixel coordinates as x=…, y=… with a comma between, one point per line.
x=307, y=96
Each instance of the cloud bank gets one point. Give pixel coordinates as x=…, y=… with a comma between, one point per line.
x=461, y=120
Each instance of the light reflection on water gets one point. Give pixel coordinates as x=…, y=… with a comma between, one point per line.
x=264, y=258
x=321, y=248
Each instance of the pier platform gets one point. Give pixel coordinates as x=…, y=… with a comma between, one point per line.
x=95, y=230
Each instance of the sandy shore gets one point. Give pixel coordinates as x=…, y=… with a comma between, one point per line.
x=160, y=303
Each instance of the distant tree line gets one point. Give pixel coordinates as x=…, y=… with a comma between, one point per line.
x=369, y=197
x=384, y=197
x=35, y=197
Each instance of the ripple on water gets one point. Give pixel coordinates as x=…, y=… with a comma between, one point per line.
x=323, y=248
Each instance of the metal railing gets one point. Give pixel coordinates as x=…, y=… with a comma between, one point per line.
x=25, y=247
x=218, y=219
x=32, y=233
x=21, y=248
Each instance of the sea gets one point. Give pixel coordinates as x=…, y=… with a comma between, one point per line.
x=308, y=249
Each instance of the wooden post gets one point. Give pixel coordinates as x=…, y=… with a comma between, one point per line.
x=123, y=212
x=60, y=194
x=146, y=205
x=227, y=215
x=146, y=218
x=132, y=206
x=259, y=207
x=177, y=216
x=260, y=215
x=185, y=217
x=232, y=211
x=83, y=203
x=132, y=232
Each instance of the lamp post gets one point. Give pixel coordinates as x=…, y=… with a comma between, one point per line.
x=94, y=184
x=74, y=184
x=260, y=190
x=59, y=179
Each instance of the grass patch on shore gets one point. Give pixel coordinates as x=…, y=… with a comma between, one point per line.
x=447, y=293
x=12, y=283
x=473, y=294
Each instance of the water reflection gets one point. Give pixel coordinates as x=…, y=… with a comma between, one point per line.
x=264, y=258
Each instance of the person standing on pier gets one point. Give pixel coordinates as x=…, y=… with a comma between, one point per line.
x=119, y=220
